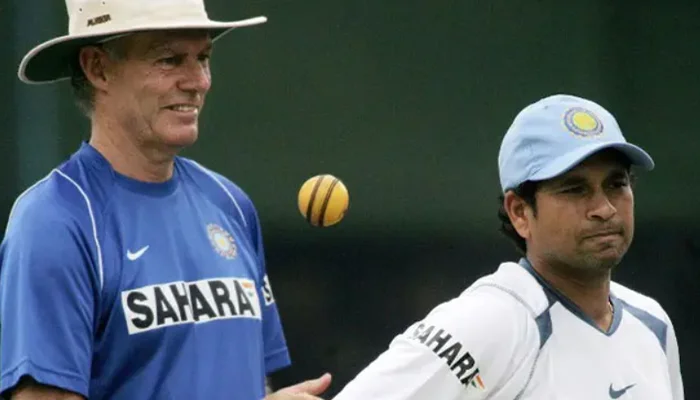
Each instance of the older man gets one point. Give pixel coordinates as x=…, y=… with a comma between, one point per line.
x=130, y=272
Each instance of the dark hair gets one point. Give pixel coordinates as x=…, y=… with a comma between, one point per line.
x=525, y=191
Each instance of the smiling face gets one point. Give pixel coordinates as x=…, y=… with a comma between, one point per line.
x=584, y=219
x=156, y=91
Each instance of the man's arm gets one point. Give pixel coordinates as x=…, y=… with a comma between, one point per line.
x=48, y=283
x=475, y=347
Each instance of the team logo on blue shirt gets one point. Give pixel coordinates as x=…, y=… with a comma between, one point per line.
x=174, y=303
x=222, y=241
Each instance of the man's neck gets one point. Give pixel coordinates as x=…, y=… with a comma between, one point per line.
x=590, y=293
x=130, y=157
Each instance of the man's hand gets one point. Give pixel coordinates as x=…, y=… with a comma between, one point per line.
x=307, y=390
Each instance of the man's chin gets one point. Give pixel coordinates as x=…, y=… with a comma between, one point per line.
x=605, y=260
x=180, y=138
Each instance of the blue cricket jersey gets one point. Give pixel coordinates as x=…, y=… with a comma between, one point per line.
x=119, y=289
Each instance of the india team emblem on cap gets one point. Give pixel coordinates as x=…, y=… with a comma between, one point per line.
x=582, y=122
x=222, y=241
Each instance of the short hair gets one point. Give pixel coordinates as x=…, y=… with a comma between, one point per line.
x=526, y=191
x=83, y=91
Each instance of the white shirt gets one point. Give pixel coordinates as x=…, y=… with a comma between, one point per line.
x=512, y=336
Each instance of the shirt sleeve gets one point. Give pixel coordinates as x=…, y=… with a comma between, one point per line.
x=48, y=287
x=274, y=341
x=467, y=348
x=674, y=367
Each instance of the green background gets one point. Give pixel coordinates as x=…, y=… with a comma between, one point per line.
x=406, y=102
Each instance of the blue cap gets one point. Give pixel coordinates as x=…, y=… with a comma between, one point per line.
x=553, y=135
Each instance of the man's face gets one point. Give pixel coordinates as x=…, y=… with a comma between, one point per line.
x=585, y=218
x=157, y=89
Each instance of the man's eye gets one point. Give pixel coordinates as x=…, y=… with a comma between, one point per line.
x=573, y=190
x=171, y=61
x=620, y=183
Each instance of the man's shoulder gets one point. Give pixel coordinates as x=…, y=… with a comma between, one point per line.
x=513, y=285
x=198, y=170
x=506, y=302
x=57, y=197
x=211, y=181
x=645, y=310
x=220, y=189
x=493, y=321
x=635, y=300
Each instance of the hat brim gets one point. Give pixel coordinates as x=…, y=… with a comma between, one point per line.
x=51, y=61
x=568, y=161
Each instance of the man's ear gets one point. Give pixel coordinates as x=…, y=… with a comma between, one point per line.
x=519, y=212
x=94, y=62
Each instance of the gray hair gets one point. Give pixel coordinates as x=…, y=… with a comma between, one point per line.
x=83, y=91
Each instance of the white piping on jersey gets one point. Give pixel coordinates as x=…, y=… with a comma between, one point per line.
x=529, y=377
x=94, y=225
x=534, y=315
x=29, y=189
x=230, y=196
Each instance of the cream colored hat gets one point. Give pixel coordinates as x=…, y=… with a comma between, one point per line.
x=94, y=21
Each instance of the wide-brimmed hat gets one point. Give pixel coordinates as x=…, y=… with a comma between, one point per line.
x=94, y=21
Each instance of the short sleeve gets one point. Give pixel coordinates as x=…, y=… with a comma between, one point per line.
x=48, y=287
x=274, y=342
x=467, y=348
